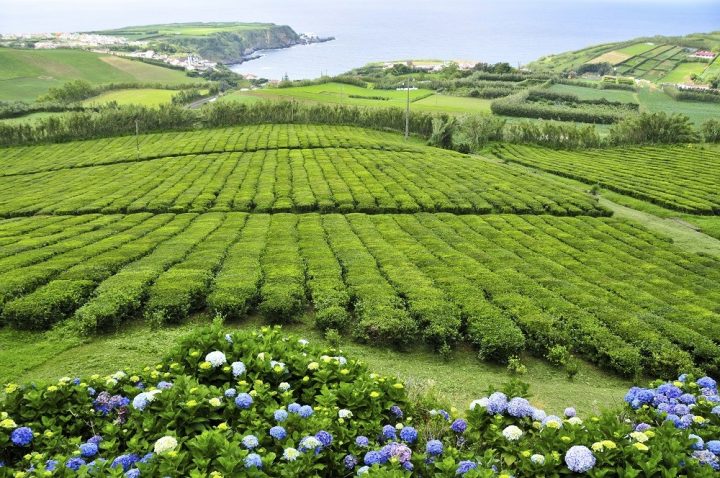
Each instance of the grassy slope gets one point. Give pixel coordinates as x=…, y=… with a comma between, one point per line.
x=461, y=380
x=594, y=93
x=27, y=74
x=169, y=30
x=140, y=96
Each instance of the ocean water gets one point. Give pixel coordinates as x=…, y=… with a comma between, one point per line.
x=516, y=31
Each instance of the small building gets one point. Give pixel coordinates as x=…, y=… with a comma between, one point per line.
x=704, y=54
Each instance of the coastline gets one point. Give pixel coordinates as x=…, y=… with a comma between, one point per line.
x=257, y=54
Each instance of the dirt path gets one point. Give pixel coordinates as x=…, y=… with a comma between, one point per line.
x=683, y=235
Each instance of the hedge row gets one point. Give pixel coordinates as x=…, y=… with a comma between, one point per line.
x=299, y=180
x=682, y=178
x=506, y=283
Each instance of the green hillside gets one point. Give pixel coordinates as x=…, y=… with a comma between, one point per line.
x=224, y=42
x=27, y=74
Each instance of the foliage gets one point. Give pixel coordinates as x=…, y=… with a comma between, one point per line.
x=680, y=178
x=552, y=134
x=265, y=405
x=653, y=128
x=710, y=96
x=711, y=131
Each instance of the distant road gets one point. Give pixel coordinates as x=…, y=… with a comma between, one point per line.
x=197, y=104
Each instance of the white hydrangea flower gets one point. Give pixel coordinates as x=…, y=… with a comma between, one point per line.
x=216, y=359
x=303, y=342
x=344, y=413
x=538, y=459
x=119, y=375
x=483, y=402
x=512, y=433
x=291, y=454
x=165, y=444
x=284, y=387
x=575, y=421
x=238, y=368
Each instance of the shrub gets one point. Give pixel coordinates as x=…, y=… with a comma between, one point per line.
x=654, y=128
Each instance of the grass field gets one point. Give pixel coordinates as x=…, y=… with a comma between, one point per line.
x=31, y=118
x=338, y=93
x=27, y=74
x=654, y=100
x=458, y=381
x=683, y=72
x=637, y=49
x=139, y=96
x=595, y=93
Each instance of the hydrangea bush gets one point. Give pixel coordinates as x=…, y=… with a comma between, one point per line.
x=263, y=404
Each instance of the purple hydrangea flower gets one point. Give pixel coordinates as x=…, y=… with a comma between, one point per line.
x=350, y=462
x=294, y=408
x=519, y=407
x=707, y=382
x=388, y=432
x=397, y=411
x=570, y=412
x=362, y=441
x=497, y=403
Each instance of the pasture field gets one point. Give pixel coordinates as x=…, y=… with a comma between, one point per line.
x=32, y=117
x=133, y=96
x=654, y=100
x=542, y=279
x=595, y=93
x=683, y=72
x=681, y=178
x=637, y=49
x=266, y=177
x=27, y=74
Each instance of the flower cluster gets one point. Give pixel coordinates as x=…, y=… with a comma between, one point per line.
x=261, y=404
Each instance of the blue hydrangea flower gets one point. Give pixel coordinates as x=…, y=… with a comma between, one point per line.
x=280, y=415
x=687, y=398
x=164, y=385
x=570, y=412
x=519, y=407
x=686, y=421
x=682, y=378
x=91, y=391
x=324, y=437
x=243, y=400
x=294, y=408
x=125, y=461
x=95, y=439
x=350, y=462
x=465, y=466
x=715, y=410
x=75, y=463
x=134, y=473
x=388, y=431
x=250, y=442
x=669, y=390
x=579, y=459
x=310, y=443
x=253, y=460
x=706, y=457
x=362, y=441
x=397, y=411
x=674, y=419
x=305, y=411
x=707, y=382
x=88, y=450
x=228, y=338
x=363, y=470
x=141, y=401
x=21, y=436
x=434, y=447
x=374, y=458
x=408, y=434
x=278, y=432
x=713, y=446
x=76, y=381
x=538, y=415
x=698, y=443
x=459, y=426
x=444, y=414
x=497, y=403
x=147, y=457
x=51, y=465
x=230, y=393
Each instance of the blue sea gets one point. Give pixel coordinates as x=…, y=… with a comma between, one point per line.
x=516, y=31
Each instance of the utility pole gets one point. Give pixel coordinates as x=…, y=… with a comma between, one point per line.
x=407, y=110
x=137, y=139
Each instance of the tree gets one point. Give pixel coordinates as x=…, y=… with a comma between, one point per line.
x=654, y=128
